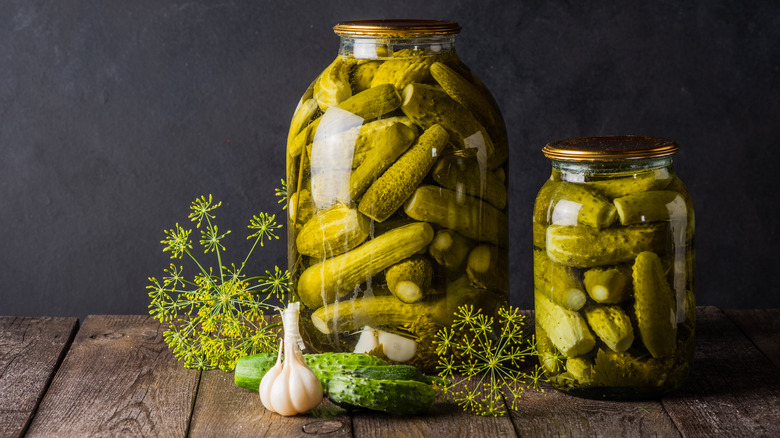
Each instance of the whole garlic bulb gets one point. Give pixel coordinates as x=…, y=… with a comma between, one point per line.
x=290, y=387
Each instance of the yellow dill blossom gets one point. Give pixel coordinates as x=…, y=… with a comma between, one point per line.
x=481, y=359
x=219, y=315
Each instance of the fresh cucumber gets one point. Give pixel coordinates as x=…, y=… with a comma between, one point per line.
x=402, y=397
x=251, y=369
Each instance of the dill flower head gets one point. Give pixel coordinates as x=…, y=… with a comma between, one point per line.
x=483, y=359
x=219, y=315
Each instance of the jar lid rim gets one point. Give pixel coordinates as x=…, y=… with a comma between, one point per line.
x=396, y=28
x=610, y=148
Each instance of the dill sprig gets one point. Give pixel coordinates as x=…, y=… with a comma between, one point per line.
x=482, y=361
x=217, y=316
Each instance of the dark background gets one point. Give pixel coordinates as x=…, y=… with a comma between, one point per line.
x=115, y=115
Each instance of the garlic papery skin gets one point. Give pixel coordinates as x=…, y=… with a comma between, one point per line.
x=290, y=387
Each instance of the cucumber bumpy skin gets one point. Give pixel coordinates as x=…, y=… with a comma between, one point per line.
x=469, y=216
x=587, y=247
x=574, y=204
x=251, y=369
x=388, y=146
x=329, y=279
x=655, y=306
x=611, y=325
x=401, y=397
x=389, y=192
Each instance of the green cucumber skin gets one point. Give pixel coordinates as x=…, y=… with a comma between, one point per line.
x=251, y=369
x=401, y=397
x=652, y=206
x=593, y=209
x=655, y=306
x=587, y=247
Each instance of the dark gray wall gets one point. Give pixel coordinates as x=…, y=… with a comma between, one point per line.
x=114, y=115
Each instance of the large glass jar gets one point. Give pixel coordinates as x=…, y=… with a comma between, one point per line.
x=396, y=169
x=613, y=232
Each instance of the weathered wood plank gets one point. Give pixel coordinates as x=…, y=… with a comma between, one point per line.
x=733, y=390
x=118, y=379
x=31, y=349
x=226, y=410
x=553, y=413
x=443, y=420
x=762, y=327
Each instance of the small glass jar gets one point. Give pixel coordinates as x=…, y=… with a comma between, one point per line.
x=613, y=232
x=397, y=210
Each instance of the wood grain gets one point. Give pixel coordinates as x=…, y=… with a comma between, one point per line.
x=226, y=410
x=762, y=327
x=443, y=420
x=554, y=413
x=118, y=379
x=733, y=390
x=31, y=349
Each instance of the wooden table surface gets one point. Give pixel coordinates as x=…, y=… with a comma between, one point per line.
x=114, y=376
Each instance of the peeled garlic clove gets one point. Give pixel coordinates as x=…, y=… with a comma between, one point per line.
x=367, y=340
x=397, y=348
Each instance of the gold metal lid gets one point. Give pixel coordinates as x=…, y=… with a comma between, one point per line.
x=611, y=148
x=397, y=28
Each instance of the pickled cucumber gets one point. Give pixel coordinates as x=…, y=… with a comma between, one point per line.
x=370, y=137
x=561, y=284
x=390, y=143
x=587, y=247
x=608, y=285
x=410, y=279
x=626, y=370
x=389, y=192
x=567, y=329
x=574, y=204
x=488, y=267
x=450, y=249
x=329, y=279
x=333, y=231
x=332, y=87
x=654, y=305
x=550, y=358
x=464, y=174
x=652, y=206
x=467, y=215
x=612, y=188
x=479, y=104
x=611, y=325
x=404, y=68
x=580, y=368
x=372, y=103
x=427, y=105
